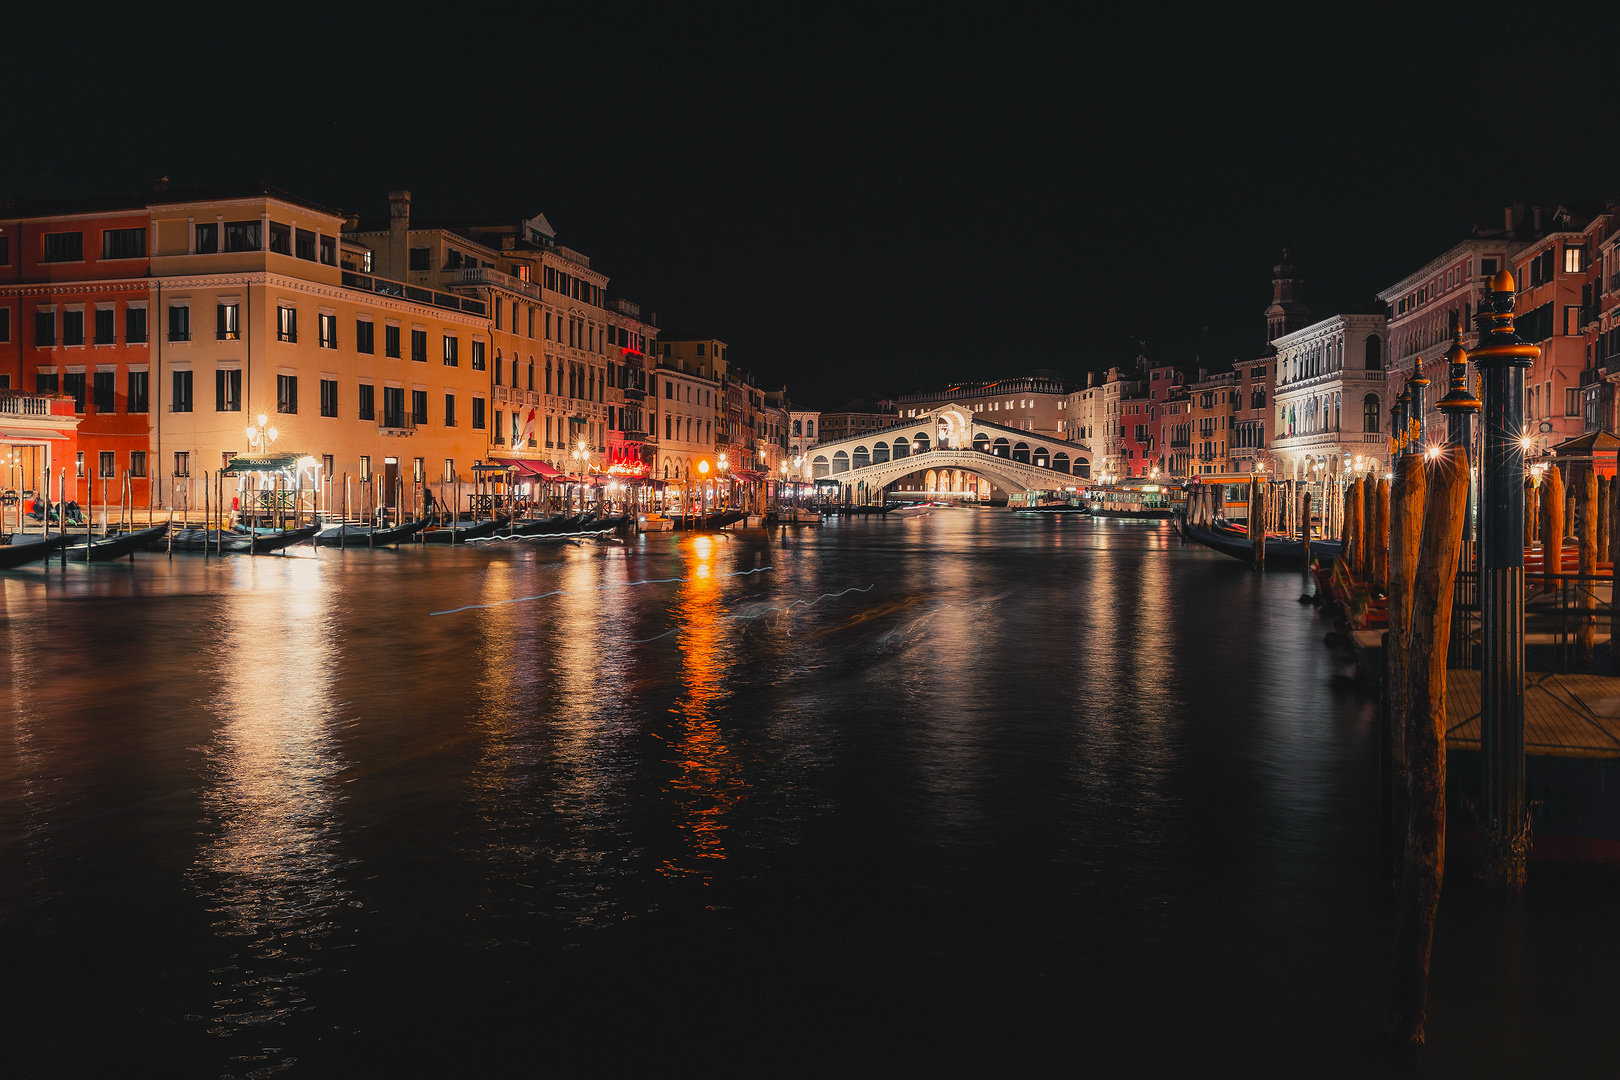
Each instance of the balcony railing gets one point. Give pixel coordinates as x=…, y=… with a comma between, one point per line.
x=385, y=287
x=25, y=406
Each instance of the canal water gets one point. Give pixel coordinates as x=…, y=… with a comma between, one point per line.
x=965, y=791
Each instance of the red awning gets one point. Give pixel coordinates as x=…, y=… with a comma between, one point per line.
x=529, y=468
x=749, y=474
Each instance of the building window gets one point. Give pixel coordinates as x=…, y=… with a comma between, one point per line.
x=419, y=346
x=365, y=337
x=280, y=238
x=63, y=247
x=123, y=243
x=73, y=386
x=286, y=324
x=180, y=399
x=478, y=414
x=329, y=250
x=305, y=245
x=1572, y=401
x=1574, y=259
x=228, y=390
x=106, y=326
x=329, y=397
x=419, y=407
x=391, y=342
x=326, y=330
x=419, y=259
x=179, y=322
x=286, y=393
x=182, y=463
x=365, y=467
x=78, y=464
x=73, y=327
x=452, y=350
x=44, y=329
x=449, y=470
x=242, y=236
x=449, y=410
x=393, y=406
x=419, y=470
x=1369, y=413
x=135, y=326
x=368, y=401
x=102, y=391
x=327, y=464
x=228, y=322
x=105, y=465
x=477, y=356
x=206, y=239
x=137, y=463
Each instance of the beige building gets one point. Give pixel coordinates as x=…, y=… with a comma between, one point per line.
x=681, y=411
x=1038, y=404
x=258, y=329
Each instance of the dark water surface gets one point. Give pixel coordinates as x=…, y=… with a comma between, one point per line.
x=1038, y=795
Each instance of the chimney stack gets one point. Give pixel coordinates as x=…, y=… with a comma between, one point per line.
x=1537, y=219
x=1507, y=220
x=399, y=234
x=161, y=184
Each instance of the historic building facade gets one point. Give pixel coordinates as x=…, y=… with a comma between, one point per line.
x=1331, y=405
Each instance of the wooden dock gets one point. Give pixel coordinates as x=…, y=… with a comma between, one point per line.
x=1576, y=716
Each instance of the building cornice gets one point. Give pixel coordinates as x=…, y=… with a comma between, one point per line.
x=1471, y=246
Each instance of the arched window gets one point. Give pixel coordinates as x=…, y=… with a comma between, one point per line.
x=981, y=443
x=880, y=453
x=1002, y=448
x=922, y=443
x=1021, y=453
x=1042, y=457
x=862, y=457
x=1060, y=461
x=1369, y=408
x=818, y=467
x=840, y=462
x=1082, y=469
x=902, y=448
x=1375, y=356
x=497, y=367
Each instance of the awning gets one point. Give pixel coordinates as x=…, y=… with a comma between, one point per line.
x=749, y=474
x=32, y=435
x=243, y=464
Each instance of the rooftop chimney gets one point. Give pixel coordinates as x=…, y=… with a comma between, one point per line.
x=399, y=234
x=161, y=184
x=1507, y=219
x=1536, y=218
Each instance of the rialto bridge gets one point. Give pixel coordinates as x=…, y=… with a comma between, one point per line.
x=948, y=444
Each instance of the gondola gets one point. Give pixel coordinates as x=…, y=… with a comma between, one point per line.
x=232, y=542
x=356, y=536
x=27, y=547
x=1279, y=552
x=703, y=522
x=471, y=531
x=117, y=545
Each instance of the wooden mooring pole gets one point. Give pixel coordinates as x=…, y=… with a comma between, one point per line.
x=1587, y=586
x=1423, y=865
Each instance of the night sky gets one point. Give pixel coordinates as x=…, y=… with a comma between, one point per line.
x=860, y=202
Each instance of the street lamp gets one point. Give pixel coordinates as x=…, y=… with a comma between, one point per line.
x=722, y=464
x=582, y=461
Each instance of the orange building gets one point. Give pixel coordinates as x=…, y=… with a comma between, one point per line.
x=74, y=322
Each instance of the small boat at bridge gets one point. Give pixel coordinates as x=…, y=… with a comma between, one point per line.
x=116, y=545
x=1280, y=551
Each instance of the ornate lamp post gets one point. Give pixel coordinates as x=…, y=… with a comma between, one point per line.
x=582, y=462
x=1501, y=358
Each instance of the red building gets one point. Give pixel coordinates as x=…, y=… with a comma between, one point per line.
x=74, y=303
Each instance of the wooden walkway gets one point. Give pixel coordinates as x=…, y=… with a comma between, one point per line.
x=1564, y=715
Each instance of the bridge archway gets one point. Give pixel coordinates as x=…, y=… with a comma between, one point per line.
x=1020, y=453
x=840, y=462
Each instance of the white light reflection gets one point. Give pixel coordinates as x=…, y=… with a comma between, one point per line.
x=271, y=869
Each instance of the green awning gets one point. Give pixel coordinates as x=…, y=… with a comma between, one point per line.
x=243, y=464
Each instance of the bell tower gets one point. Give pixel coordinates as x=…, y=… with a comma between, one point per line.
x=1287, y=312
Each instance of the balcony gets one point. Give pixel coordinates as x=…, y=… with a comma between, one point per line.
x=384, y=287
x=500, y=393
x=498, y=280
x=397, y=426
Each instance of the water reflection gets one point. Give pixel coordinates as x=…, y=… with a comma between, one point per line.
x=707, y=782
x=270, y=867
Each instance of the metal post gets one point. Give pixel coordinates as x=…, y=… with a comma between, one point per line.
x=1502, y=358
x=1460, y=405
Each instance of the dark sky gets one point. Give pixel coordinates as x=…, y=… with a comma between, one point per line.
x=859, y=201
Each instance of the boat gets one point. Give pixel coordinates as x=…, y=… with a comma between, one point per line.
x=116, y=545
x=473, y=530
x=1159, y=513
x=702, y=522
x=358, y=536
x=25, y=548
x=231, y=541
x=1279, y=551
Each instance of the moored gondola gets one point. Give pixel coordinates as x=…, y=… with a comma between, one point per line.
x=348, y=536
x=1279, y=551
x=26, y=548
x=117, y=545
